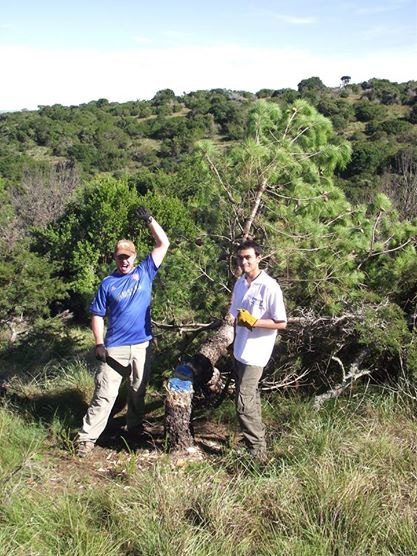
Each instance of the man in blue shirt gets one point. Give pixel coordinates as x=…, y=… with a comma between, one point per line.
x=124, y=298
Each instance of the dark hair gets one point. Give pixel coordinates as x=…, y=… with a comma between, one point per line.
x=250, y=244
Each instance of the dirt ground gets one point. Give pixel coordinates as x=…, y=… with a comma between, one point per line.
x=116, y=455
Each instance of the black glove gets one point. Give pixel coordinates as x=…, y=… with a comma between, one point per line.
x=143, y=214
x=101, y=352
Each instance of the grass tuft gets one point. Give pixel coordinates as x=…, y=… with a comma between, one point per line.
x=342, y=481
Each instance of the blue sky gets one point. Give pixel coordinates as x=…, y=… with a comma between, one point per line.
x=73, y=52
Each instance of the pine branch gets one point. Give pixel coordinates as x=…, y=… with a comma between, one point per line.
x=214, y=169
x=255, y=207
x=293, y=115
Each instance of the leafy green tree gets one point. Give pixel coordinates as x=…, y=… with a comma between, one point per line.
x=164, y=96
x=278, y=186
x=384, y=90
x=396, y=126
x=82, y=240
x=413, y=114
x=330, y=256
x=282, y=151
x=287, y=96
x=265, y=93
x=366, y=111
x=84, y=237
x=29, y=287
x=312, y=84
x=369, y=157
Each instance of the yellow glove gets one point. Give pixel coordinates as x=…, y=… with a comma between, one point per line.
x=244, y=318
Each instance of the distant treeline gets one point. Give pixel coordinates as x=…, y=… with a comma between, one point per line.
x=377, y=116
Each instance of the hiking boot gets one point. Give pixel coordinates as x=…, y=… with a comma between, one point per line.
x=84, y=448
x=261, y=457
x=138, y=431
x=135, y=432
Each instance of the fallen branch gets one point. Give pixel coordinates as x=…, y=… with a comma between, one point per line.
x=288, y=381
x=348, y=379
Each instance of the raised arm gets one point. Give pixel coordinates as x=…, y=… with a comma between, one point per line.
x=161, y=242
x=160, y=237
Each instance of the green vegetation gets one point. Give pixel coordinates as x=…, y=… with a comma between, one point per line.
x=325, y=179
x=342, y=481
x=335, y=211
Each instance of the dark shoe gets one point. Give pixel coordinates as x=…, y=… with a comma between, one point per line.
x=135, y=432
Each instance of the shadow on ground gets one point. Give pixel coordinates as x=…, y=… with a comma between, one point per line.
x=68, y=407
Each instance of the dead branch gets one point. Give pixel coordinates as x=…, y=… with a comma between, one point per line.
x=189, y=327
x=293, y=115
x=43, y=196
x=400, y=184
x=288, y=381
x=255, y=208
x=209, y=278
x=213, y=168
x=355, y=373
x=391, y=250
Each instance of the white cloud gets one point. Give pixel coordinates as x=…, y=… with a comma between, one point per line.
x=372, y=10
x=33, y=77
x=290, y=19
x=386, y=31
x=382, y=8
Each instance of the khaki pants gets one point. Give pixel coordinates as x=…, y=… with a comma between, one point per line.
x=248, y=406
x=107, y=388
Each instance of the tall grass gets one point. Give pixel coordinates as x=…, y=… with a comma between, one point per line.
x=343, y=482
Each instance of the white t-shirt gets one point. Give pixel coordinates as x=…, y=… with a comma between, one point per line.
x=263, y=299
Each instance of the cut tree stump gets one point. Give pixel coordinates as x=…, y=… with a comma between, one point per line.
x=180, y=388
x=178, y=414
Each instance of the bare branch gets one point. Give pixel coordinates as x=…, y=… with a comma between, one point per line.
x=215, y=171
x=299, y=134
x=189, y=327
x=42, y=197
x=293, y=115
x=355, y=373
x=371, y=248
x=204, y=273
x=255, y=207
x=391, y=250
x=288, y=381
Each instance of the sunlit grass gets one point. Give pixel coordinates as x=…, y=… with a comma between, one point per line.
x=342, y=481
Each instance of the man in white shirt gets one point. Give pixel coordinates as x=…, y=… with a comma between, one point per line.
x=259, y=311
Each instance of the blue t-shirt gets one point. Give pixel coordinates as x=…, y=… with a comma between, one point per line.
x=126, y=300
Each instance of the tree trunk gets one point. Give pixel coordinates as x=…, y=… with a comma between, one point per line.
x=178, y=402
x=178, y=418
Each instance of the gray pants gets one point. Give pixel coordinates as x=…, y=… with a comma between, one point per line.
x=107, y=388
x=248, y=406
